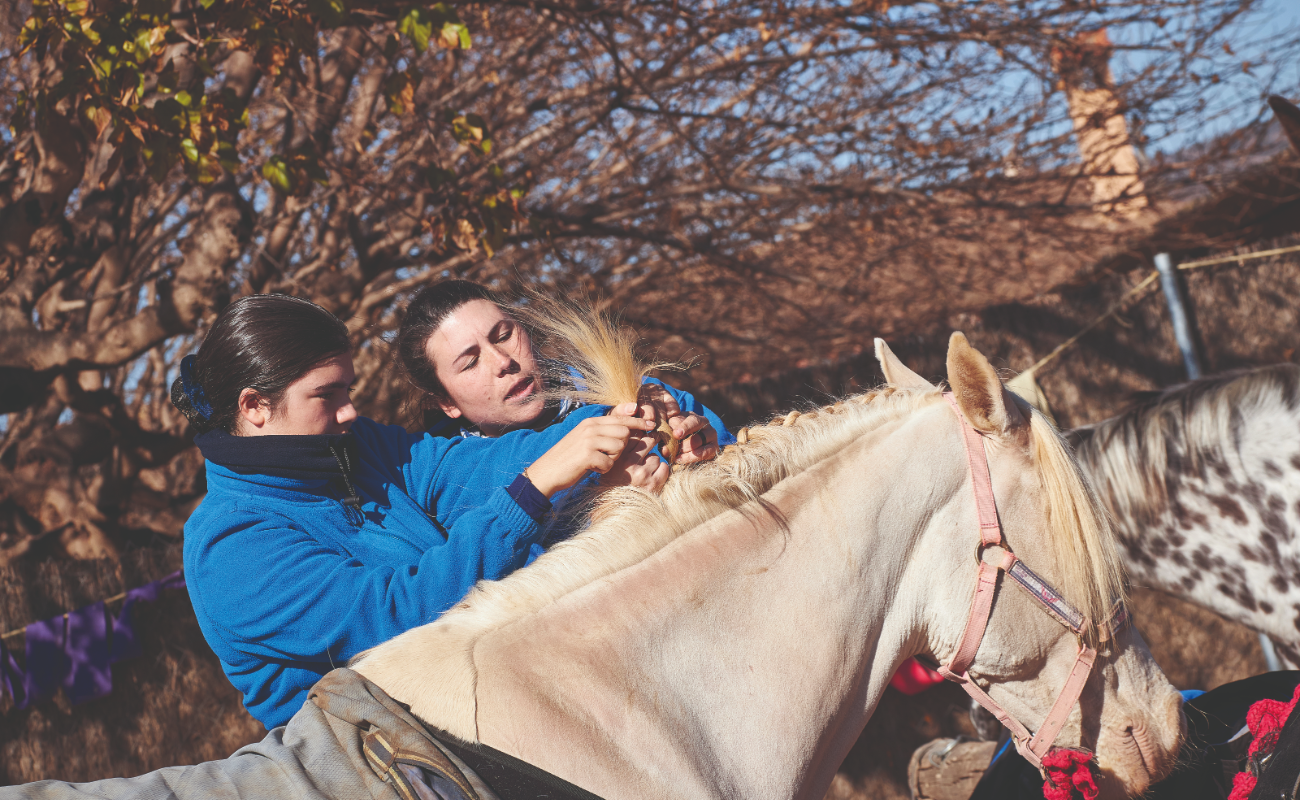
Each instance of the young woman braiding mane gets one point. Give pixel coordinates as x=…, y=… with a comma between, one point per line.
x=324, y=533
x=474, y=361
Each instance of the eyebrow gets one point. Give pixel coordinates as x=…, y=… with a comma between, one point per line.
x=335, y=385
x=467, y=351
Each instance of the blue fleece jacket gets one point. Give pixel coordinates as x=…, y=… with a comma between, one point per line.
x=286, y=588
x=685, y=401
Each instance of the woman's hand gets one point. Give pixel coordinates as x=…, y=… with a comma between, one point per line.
x=699, y=439
x=638, y=467
x=594, y=444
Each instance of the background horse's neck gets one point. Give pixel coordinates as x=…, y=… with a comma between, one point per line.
x=676, y=677
x=1202, y=486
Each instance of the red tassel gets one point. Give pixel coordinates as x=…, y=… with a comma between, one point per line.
x=1265, y=720
x=1068, y=771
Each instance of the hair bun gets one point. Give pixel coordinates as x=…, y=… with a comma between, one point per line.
x=187, y=396
x=182, y=401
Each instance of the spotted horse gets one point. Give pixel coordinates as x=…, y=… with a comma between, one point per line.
x=1202, y=481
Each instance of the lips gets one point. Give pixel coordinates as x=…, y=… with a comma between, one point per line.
x=521, y=390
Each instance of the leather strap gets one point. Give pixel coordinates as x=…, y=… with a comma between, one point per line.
x=1032, y=747
x=388, y=763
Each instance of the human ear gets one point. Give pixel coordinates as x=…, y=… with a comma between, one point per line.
x=447, y=407
x=253, y=408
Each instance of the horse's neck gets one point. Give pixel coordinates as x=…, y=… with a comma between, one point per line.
x=1225, y=536
x=741, y=659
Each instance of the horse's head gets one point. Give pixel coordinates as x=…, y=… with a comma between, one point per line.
x=1025, y=663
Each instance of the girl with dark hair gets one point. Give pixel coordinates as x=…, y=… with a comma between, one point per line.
x=324, y=533
x=475, y=364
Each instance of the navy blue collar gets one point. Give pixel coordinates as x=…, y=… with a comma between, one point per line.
x=281, y=456
x=300, y=457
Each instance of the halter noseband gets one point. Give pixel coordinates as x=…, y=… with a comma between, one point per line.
x=1032, y=746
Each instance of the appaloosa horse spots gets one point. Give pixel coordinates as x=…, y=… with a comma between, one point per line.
x=1203, y=482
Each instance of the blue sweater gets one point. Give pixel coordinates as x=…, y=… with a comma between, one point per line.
x=286, y=587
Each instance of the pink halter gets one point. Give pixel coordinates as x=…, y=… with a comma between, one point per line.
x=1032, y=746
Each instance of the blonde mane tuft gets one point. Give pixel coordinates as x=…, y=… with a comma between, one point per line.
x=596, y=346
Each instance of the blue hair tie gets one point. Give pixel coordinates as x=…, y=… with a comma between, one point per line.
x=193, y=390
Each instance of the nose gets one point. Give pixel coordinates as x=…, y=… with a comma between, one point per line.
x=347, y=414
x=503, y=361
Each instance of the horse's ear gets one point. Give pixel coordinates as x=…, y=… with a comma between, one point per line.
x=896, y=372
x=978, y=391
x=1289, y=116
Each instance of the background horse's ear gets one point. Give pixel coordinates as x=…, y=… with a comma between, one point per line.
x=896, y=373
x=975, y=385
x=1289, y=116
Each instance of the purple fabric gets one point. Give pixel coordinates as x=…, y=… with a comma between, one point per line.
x=75, y=653
x=89, y=675
x=47, y=663
x=11, y=677
x=125, y=643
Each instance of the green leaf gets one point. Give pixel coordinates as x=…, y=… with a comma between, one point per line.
x=418, y=28
x=184, y=98
x=207, y=3
x=143, y=46
x=190, y=150
x=88, y=29
x=453, y=35
x=277, y=172
x=77, y=8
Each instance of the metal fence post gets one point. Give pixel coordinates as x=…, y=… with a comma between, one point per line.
x=1183, y=335
x=1178, y=314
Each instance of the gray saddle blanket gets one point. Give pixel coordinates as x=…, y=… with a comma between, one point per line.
x=350, y=741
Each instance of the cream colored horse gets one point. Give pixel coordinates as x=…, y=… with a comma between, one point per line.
x=707, y=644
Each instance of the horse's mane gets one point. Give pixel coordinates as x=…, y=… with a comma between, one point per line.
x=1091, y=573
x=1183, y=430
x=629, y=525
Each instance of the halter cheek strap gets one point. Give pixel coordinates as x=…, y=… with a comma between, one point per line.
x=1032, y=746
